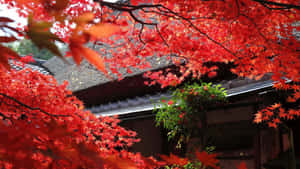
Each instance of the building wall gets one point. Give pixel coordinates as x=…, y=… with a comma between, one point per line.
x=152, y=138
x=235, y=136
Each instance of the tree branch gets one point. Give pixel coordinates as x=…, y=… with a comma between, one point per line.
x=281, y=6
x=140, y=34
x=126, y=7
x=198, y=30
x=165, y=42
x=131, y=8
x=31, y=108
x=140, y=21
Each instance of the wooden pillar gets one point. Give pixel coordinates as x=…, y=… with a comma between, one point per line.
x=257, y=149
x=288, y=145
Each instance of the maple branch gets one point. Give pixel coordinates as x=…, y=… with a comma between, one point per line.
x=130, y=8
x=171, y=16
x=252, y=21
x=140, y=21
x=140, y=34
x=198, y=30
x=126, y=7
x=31, y=108
x=238, y=8
x=281, y=6
x=4, y=117
x=165, y=42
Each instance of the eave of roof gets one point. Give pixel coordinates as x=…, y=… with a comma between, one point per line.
x=146, y=103
x=34, y=67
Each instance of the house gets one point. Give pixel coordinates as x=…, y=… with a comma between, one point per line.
x=230, y=127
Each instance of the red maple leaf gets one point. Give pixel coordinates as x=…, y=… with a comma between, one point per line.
x=208, y=160
x=242, y=165
x=173, y=159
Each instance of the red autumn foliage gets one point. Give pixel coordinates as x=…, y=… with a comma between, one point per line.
x=257, y=36
x=242, y=165
x=43, y=126
x=174, y=160
x=208, y=160
x=189, y=33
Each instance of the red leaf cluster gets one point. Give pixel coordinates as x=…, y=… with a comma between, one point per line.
x=257, y=36
x=43, y=126
x=208, y=160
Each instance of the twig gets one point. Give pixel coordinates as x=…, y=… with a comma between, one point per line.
x=281, y=5
x=165, y=42
x=31, y=108
x=131, y=8
x=140, y=21
x=140, y=34
x=198, y=30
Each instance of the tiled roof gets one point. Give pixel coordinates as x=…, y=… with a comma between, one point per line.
x=28, y=65
x=86, y=75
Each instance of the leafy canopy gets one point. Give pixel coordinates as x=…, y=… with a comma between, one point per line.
x=255, y=35
x=43, y=126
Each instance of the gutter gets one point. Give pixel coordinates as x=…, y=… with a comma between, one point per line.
x=124, y=108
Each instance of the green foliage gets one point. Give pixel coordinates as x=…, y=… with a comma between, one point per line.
x=26, y=47
x=184, y=111
x=189, y=165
